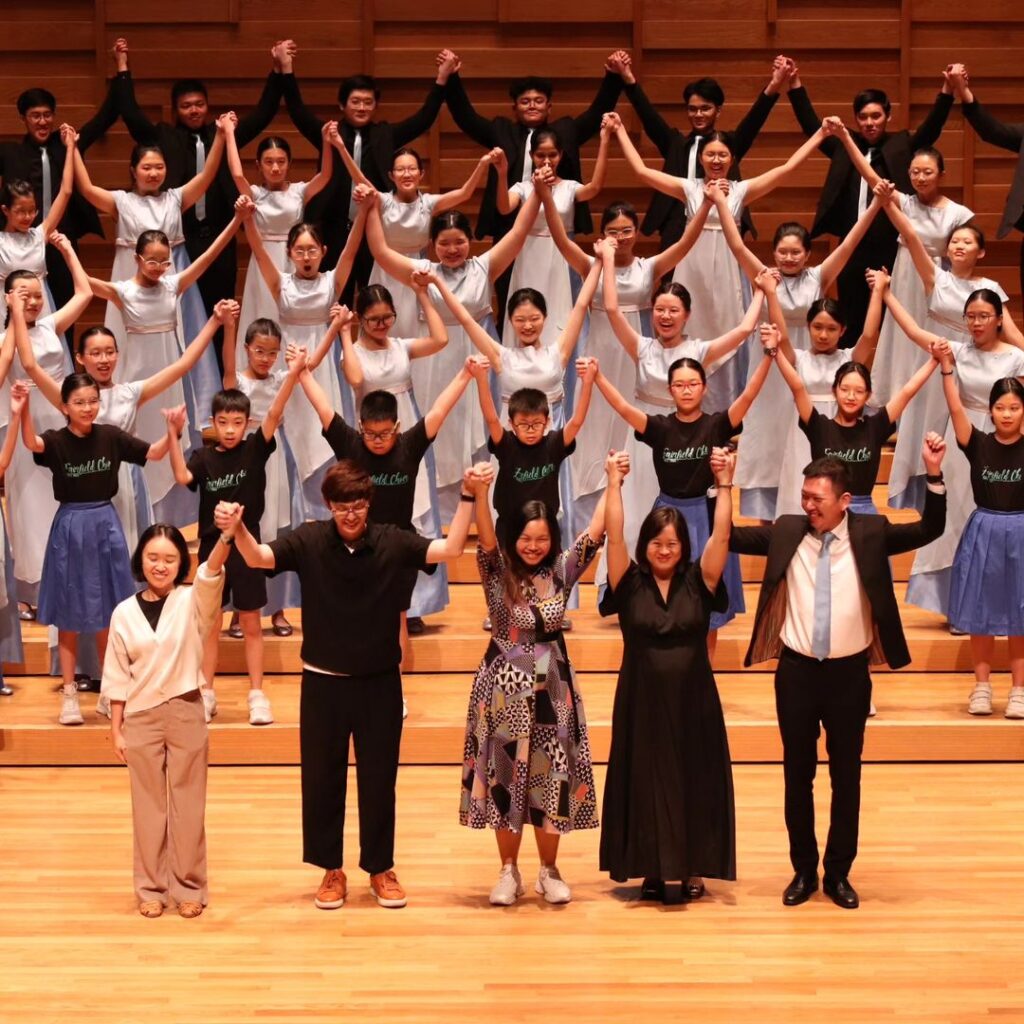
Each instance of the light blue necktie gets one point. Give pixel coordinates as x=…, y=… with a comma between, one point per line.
x=357, y=158
x=527, y=158
x=200, y=164
x=821, y=635
x=47, y=183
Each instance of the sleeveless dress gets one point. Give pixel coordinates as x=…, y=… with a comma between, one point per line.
x=26, y=250
x=928, y=410
x=390, y=369
x=976, y=372
x=406, y=230
x=277, y=212
x=719, y=292
x=540, y=265
x=759, y=457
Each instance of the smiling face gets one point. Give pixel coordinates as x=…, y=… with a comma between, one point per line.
x=716, y=159
x=664, y=552
x=39, y=124
x=623, y=230
x=528, y=323
x=274, y=164
x=306, y=253
x=359, y=107
x=871, y=122
x=852, y=395
x=31, y=291
x=823, y=507
x=21, y=214
x=983, y=322
x=98, y=358
x=149, y=173
x=82, y=408
x=669, y=317
x=964, y=250
x=702, y=114
x=546, y=154
x=406, y=174
x=1008, y=416
x=230, y=428
x=533, y=545
x=160, y=563
x=377, y=319
x=790, y=255
x=687, y=390
x=825, y=332
x=154, y=261
x=452, y=247
x=925, y=176
x=532, y=108
x=262, y=351
x=192, y=109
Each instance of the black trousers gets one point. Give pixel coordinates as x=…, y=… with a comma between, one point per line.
x=878, y=249
x=836, y=694
x=332, y=709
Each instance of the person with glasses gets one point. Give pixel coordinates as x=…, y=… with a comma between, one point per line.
x=86, y=571
x=356, y=577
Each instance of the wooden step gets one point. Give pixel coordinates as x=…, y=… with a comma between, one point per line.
x=922, y=717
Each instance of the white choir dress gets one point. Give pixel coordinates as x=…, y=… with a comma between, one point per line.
x=406, y=230
x=540, y=265
x=461, y=438
x=759, y=457
x=277, y=212
x=897, y=358
x=304, y=312
x=26, y=250
x=928, y=409
x=817, y=370
x=390, y=369
x=976, y=372
x=719, y=292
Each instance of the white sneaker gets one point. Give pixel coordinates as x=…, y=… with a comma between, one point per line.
x=70, y=710
x=980, y=700
x=1015, y=705
x=209, y=702
x=872, y=710
x=508, y=888
x=551, y=886
x=103, y=705
x=259, y=708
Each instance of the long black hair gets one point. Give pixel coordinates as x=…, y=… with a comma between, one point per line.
x=517, y=572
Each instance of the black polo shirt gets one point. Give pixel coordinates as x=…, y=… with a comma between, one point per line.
x=351, y=600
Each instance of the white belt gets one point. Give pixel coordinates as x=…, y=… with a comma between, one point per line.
x=713, y=227
x=398, y=389
x=151, y=328
x=541, y=233
x=624, y=307
x=274, y=237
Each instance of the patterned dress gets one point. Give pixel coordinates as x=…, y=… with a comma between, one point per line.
x=527, y=755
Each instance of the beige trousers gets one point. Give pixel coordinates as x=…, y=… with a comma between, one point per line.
x=167, y=761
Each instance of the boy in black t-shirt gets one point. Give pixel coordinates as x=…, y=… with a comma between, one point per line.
x=234, y=469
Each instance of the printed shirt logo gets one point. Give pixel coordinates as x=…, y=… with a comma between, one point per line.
x=532, y=476
x=396, y=479
x=226, y=482
x=73, y=470
x=1001, y=476
x=694, y=452
x=849, y=454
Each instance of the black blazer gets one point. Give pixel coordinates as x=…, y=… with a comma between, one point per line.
x=179, y=147
x=666, y=215
x=1006, y=136
x=837, y=205
x=873, y=539
x=511, y=136
x=23, y=160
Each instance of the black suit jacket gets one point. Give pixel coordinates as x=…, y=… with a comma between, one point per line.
x=837, y=206
x=873, y=539
x=1006, y=136
x=665, y=214
x=179, y=148
x=511, y=136
x=23, y=160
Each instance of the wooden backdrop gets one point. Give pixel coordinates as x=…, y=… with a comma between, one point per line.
x=898, y=45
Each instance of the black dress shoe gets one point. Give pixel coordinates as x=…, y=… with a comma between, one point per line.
x=841, y=893
x=800, y=889
x=414, y=624
x=653, y=889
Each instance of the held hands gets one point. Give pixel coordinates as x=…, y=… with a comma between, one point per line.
x=68, y=136
x=955, y=80
x=226, y=312
x=120, y=52
x=477, y=367
x=942, y=353
x=717, y=191
x=495, y=157
x=833, y=125
x=932, y=452
x=766, y=281
x=543, y=178
x=177, y=418
x=782, y=71
x=878, y=280
x=723, y=465
x=610, y=123
x=226, y=122
x=244, y=208
x=604, y=248
x=19, y=397
x=620, y=63
x=295, y=358
x=341, y=317
x=478, y=478
x=616, y=466
x=770, y=337
x=448, y=63
x=227, y=515
x=884, y=191
x=60, y=242
x=422, y=279
x=282, y=53
x=587, y=369
x=365, y=194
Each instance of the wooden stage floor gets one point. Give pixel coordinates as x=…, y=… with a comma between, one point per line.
x=937, y=937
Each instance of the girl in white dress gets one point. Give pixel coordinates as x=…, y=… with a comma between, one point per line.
x=304, y=299
x=279, y=205
x=471, y=280
x=22, y=246
x=712, y=275
x=406, y=215
x=985, y=357
x=31, y=505
x=798, y=285
x=635, y=277
x=540, y=265
x=148, y=305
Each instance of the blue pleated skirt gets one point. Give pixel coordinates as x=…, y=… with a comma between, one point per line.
x=87, y=570
x=986, y=593
x=695, y=512
x=863, y=504
x=10, y=624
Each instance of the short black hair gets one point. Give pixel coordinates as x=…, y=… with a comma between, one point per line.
x=378, y=407
x=37, y=97
x=353, y=82
x=231, y=400
x=530, y=83
x=173, y=534
x=862, y=99
x=528, y=402
x=262, y=327
x=74, y=382
x=183, y=86
x=706, y=89
x=831, y=469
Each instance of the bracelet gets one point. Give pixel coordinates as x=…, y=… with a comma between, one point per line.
x=770, y=351
x=720, y=486
x=937, y=479
x=946, y=373
x=467, y=497
x=227, y=539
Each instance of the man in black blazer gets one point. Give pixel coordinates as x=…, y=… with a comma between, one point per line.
x=181, y=142
x=531, y=109
x=372, y=145
x=23, y=161
x=704, y=99
x=826, y=610
x=1006, y=136
x=845, y=195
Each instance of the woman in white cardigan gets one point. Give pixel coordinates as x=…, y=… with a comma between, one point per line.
x=152, y=676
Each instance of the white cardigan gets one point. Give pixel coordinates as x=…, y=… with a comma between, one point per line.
x=144, y=667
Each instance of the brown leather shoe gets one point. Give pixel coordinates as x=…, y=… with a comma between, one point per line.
x=190, y=908
x=333, y=890
x=387, y=889
x=151, y=908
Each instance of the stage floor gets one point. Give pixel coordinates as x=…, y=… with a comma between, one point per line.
x=940, y=875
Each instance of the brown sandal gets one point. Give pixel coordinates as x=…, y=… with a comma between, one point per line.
x=189, y=908
x=151, y=908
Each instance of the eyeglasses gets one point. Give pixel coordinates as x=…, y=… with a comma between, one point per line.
x=84, y=403
x=157, y=264
x=379, y=321
x=686, y=385
x=529, y=426
x=41, y=117
x=979, y=318
x=620, y=232
x=353, y=510
x=313, y=250
x=704, y=108
x=379, y=435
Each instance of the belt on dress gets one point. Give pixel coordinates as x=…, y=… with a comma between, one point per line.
x=275, y=237
x=624, y=307
x=151, y=328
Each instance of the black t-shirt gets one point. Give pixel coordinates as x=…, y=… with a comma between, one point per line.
x=394, y=474
x=997, y=472
x=528, y=472
x=859, y=446
x=682, y=450
x=85, y=468
x=351, y=600
x=234, y=474
x=151, y=609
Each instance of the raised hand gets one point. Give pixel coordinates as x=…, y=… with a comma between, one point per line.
x=932, y=453
x=19, y=397
x=605, y=246
x=68, y=136
x=227, y=515
x=478, y=478
x=365, y=194
x=616, y=465
x=770, y=338
x=878, y=280
x=587, y=368
x=723, y=465
x=422, y=279
x=341, y=316
x=176, y=417
x=226, y=122
x=942, y=353
x=448, y=62
x=496, y=157
x=610, y=123
x=766, y=281
x=295, y=358
x=60, y=242
x=244, y=207
x=227, y=311
x=833, y=125
x=477, y=367
x=885, y=190
x=121, y=53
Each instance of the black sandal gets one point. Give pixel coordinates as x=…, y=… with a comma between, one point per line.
x=653, y=889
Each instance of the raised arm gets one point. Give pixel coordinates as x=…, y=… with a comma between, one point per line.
x=480, y=129
x=250, y=125
x=332, y=135
x=667, y=183
x=656, y=128
x=309, y=125
x=229, y=353
x=765, y=183
x=957, y=415
x=341, y=320
x=445, y=402
x=477, y=482
x=201, y=263
x=749, y=263
x=506, y=249
x=200, y=184
x=635, y=417
x=296, y=360
x=266, y=263
x=487, y=408
x=675, y=253
x=228, y=518
x=69, y=313
x=347, y=258
x=587, y=370
x=919, y=254
x=394, y=263
x=1011, y=332
x=67, y=182
x=864, y=350
x=106, y=291
x=225, y=314
x=322, y=178
x=589, y=122
x=571, y=252
x=616, y=552
x=861, y=165
x=419, y=123
x=804, y=405
x=481, y=340
x=593, y=187
x=16, y=339
x=317, y=398
x=456, y=197
x=33, y=442
x=770, y=347
x=627, y=335
x=175, y=425
x=907, y=324
x=768, y=284
x=571, y=332
x=98, y=197
x=989, y=128
x=731, y=340
x=929, y=130
x=10, y=343
x=138, y=124
x=351, y=364
x=895, y=406
x=438, y=336
x=234, y=159
x=716, y=550
x=19, y=404
x=831, y=266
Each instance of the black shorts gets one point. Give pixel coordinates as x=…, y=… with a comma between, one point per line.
x=244, y=587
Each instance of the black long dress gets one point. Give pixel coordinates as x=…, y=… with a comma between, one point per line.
x=668, y=799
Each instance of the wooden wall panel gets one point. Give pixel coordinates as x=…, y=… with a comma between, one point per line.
x=898, y=45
